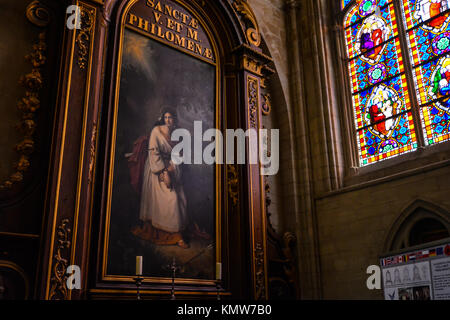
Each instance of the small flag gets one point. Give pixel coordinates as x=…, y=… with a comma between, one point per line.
x=412, y=256
x=424, y=254
x=439, y=251
x=447, y=250
x=432, y=253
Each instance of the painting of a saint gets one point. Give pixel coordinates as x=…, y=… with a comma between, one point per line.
x=163, y=202
x=161, y=210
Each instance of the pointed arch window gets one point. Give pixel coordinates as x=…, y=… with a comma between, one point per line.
x=398, y=58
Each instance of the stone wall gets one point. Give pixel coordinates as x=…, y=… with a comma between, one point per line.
x=271, y=18
x=353, y=209
x=353, y=227
x=341, y=215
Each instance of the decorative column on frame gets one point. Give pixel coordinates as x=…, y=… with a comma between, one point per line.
x=254, y=67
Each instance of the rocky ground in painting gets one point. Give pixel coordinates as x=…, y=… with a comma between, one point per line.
x=191, y=260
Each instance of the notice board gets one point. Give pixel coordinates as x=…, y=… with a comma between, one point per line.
x=422, y=274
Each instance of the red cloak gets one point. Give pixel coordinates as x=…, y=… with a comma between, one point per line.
x=136, y=162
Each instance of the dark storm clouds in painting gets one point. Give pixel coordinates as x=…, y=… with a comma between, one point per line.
x=153, y=76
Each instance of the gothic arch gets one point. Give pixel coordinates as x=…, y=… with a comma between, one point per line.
x=398, y=235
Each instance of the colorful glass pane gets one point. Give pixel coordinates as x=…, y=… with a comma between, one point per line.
x=435, y=124
x=362, y=9
x=380, y=93
x=429, y=48
x=370, y=34
x=433, y=88
x=425, y=45
x=389, y=98
x=364, y=74
x=351, y=16
x=431, y=80
x=428, y=12
x=344, y=3
x=375, y=146
x=382, y=106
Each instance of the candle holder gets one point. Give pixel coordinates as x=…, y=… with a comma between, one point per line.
x=174, y=269
x=138, y=281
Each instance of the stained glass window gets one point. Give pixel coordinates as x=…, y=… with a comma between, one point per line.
x=344, y=3
x=387, y=107
x=428, y=36
x=381, y=103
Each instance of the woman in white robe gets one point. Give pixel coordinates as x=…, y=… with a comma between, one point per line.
x=163, y=202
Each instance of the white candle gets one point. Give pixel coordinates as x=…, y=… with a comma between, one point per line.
x=139, y=265
x=218, y=271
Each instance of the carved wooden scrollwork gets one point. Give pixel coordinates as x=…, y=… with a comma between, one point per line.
x=37, y=14
x=28, y=105
x=259, y=265
x=252, y=91
x=268, y=201
x=92, y=152
x=252, y=32
x=283, y=277
x=252, y=65
x=266, y=107
x=290, y=240
x=58, y=280
x=233, y=184
x=84, y=36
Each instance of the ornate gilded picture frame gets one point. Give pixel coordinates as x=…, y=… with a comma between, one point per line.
x=168, y=77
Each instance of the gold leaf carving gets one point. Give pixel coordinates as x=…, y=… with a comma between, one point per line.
x=23, y=164
x=92, y=152
x=25, y=147
x=259, y=266
x=58, y=290
x=17, y=177
x=252, y=86
x=28, y=105
x=267, y=105
x=252, y=65
x=84, y=36
x=268, y=201
x=253, y=34
x=37, y=14
x=233, y=184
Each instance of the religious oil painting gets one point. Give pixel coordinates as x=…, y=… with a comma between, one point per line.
x=160, y=210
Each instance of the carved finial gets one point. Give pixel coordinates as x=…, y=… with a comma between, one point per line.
x=253, y=34
x=37, y=14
